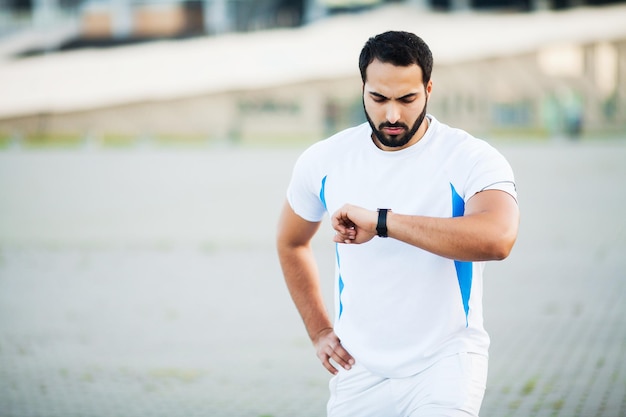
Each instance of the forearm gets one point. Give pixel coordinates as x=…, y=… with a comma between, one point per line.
x=467, y=238
x=487, y=230
x=302, y=279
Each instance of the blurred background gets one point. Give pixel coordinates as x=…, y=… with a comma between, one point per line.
x=279, y=70
x=145, y=149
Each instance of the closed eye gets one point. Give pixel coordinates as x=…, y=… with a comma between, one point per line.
x=378, y=98
x=409, y=98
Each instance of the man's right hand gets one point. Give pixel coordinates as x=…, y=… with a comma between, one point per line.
x=328, y=346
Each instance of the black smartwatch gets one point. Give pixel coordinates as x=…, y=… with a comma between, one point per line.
x=381, y=226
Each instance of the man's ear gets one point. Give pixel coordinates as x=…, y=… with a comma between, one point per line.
x=429, y=87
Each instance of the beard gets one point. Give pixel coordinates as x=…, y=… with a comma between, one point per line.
x=396, y=141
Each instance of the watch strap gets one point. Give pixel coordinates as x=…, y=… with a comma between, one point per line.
x=381, y=225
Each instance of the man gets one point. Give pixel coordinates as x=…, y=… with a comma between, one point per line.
x=417, y=208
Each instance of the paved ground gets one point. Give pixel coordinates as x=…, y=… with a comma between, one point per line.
x=144, y=283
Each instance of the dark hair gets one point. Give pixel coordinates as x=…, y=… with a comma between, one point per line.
x=398, y=48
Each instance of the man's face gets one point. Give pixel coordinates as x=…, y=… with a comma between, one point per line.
x=394, y=99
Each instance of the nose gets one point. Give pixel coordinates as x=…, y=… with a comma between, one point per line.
x=393, y=112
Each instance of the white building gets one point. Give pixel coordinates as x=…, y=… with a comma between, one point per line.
x=492, y=76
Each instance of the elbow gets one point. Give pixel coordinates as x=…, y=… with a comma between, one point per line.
x=501, y=253
x=502, y=240
x=283, y=246
x=501, y=248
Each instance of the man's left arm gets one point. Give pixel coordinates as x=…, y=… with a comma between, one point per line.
x=486, y=231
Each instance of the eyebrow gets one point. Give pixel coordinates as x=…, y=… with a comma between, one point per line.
x=375, y=94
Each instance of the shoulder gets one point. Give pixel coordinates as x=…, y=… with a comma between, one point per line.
x=347, y=137
x=457, y=143
x=472, y=164
x=334, y=145
x=454, y=137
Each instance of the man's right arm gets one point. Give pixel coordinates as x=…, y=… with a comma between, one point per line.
x=302, y=278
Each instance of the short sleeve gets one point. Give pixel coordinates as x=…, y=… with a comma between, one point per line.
x=490, y=171
x=306, y=188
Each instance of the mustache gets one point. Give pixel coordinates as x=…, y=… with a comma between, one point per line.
x=392, y=125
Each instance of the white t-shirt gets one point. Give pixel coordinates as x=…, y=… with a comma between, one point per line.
x=398, y=308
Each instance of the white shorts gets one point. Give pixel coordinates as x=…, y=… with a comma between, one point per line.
x=453, y=387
